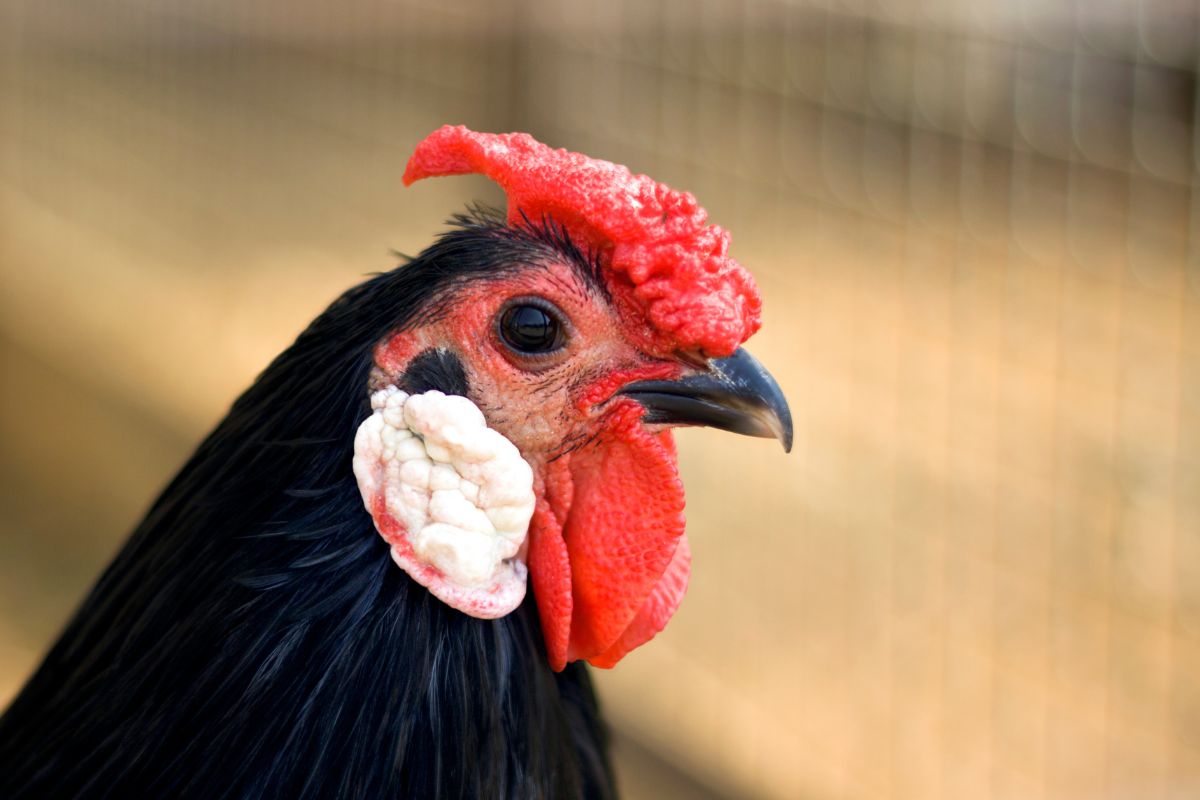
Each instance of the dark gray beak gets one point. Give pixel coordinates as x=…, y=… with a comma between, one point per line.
x=735, y=394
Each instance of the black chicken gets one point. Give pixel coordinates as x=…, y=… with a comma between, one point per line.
x=255, y=637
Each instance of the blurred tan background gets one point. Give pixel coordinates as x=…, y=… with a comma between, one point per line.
x=977, y=229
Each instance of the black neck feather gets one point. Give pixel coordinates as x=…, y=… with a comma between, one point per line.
x=254, y=638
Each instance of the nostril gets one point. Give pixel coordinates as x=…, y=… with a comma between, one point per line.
x=693, y=358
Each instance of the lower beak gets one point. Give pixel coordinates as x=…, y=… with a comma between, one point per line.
x=735, y=394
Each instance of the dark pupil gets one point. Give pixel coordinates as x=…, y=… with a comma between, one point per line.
x=529, y=329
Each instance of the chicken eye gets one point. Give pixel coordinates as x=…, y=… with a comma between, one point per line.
x=530, y=329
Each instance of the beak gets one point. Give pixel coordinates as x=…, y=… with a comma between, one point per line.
x=735, y=394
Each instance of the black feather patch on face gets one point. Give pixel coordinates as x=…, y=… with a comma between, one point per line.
x=434, y=369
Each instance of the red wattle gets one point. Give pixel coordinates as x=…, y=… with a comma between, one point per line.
x=550, y=564
x=610, y=530
x=658, y=609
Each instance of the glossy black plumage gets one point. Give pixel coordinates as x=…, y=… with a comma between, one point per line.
x=254, y=639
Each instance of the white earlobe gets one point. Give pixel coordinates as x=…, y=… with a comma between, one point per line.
x=452, y=497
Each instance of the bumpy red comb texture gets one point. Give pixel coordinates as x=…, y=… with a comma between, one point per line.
x=667, y=268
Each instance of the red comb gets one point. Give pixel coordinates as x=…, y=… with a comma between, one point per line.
x=664, y=263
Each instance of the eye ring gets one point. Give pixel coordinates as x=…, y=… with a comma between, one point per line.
x=530, y=328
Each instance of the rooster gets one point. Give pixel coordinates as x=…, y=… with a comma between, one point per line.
x=384, y=572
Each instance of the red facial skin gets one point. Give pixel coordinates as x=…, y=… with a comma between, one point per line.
x=609, y=518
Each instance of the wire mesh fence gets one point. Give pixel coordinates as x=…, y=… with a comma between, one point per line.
x=976, y=229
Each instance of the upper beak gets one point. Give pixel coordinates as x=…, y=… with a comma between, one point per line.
x=735, y=394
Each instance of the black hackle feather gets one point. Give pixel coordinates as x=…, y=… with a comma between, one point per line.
x=254, y=638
